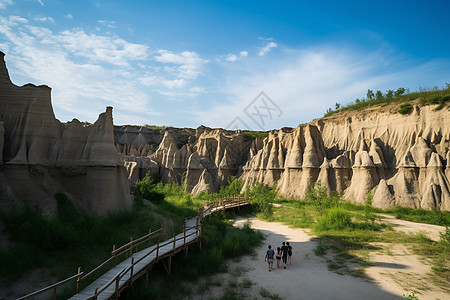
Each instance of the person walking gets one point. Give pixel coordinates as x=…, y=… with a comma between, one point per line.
x=284, y=254
x=278, y=256
x=289, y=258
x=269, y=257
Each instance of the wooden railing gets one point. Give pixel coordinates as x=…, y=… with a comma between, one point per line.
x=125, y=249
x=130, y=269
x=53, y=287
x=131, y=247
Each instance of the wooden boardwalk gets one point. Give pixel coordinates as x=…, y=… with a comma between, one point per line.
x=138, y=264
x=124, y=274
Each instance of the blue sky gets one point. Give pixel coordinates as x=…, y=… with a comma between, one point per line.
x=188, y=63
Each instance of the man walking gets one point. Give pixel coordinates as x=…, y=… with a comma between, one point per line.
x=269, y=257
x=284, y=253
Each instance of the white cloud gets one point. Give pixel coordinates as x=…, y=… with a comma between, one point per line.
x=266, y=49
x=231, y=57
x=304, y=83
x=41, y=2
x=243, y=53
x=109, y=24
x=68, y=16
x=80, y=89
x=45, y=19
x=189, y=63
x=5, y=3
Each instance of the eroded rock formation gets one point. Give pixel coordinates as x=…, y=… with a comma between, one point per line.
x=401, y=159
x=203, y=158
x=40, y=156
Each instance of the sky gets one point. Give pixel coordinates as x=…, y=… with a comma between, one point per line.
x=257, y=65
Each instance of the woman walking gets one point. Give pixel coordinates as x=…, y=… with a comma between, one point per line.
x=278, y=256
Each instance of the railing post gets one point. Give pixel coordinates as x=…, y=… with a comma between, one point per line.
x=174, y=243
x=78, y=280
x=184, y=231
x=116, y=292
x=131, y=246
x=114, y=255
x=157, y=251
x=149, y=237
x=54, y=293
x=132, y=267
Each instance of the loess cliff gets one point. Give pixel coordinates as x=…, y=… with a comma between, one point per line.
x=402, y=159
x=40, y=156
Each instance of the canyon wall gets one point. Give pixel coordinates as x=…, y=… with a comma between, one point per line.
x=202, y=158
x=402, y=159
x=40, y=156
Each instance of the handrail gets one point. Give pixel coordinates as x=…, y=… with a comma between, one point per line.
x=53, y=286
x=209, y=208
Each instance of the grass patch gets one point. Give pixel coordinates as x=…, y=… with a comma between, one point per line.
x=419, y=215
x=405, y=109
x=67, y=240
x=251, y=135
x=267, y=294
x=433, y=96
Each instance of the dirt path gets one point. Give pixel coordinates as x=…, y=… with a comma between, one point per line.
x=394, y=273
x=432, y=231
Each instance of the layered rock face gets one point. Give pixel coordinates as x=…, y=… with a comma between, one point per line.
x=402, y=160
x=203, y=159
x=40, y=156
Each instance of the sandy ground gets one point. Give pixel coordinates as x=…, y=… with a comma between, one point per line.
x=392, y=274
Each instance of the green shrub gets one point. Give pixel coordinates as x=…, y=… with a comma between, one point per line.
x=318, y=195
x=335, y=219
x=405, y=109
x=147, y=189
x=262, y=197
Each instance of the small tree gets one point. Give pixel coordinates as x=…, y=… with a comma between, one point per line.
x=318, y=195
x=400, y=91
x=379, y=95
x=368, y=214
x=337, y=106
x=370, y=94
x=389, y=93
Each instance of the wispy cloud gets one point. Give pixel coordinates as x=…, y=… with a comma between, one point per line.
x=189, y=64
x=45, y=19
x=233, y=57
x=68, y=16
x=5, y=3
x=41, y=2
x=89, y=71
x=304, y=83
x=109, y=24
x=266, y=49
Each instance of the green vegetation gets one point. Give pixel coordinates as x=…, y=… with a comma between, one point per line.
x=220, y=241
x=67, y=240
x=155, y=127
x=405, y=109
x=348, y=233
x=419, y=215
x=426, y=96
x=254, y=134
